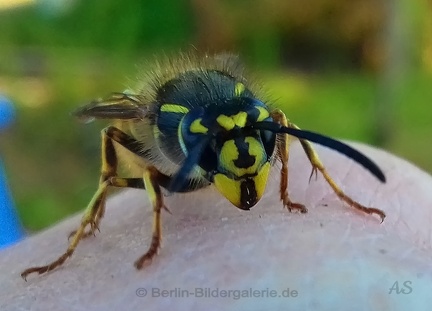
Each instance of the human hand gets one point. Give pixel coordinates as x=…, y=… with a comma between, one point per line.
x=332, y=258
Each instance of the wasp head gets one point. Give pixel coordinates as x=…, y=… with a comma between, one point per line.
x=227, y=149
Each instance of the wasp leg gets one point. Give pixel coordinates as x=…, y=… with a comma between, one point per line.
x=96, y=207
x=108, y=170
x=87, y=219
x=151, y=176
x=283, y=142
x=317, y=165
x=119, y=182
x=151, y=181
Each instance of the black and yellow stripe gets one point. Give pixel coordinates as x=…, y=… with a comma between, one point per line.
x=197, y=122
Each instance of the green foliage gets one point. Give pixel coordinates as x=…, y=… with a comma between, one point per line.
x=316, y=53
x=53, y=161
x=119, y=26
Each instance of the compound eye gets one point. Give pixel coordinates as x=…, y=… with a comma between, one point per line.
x=208, y=161
x=268, y=139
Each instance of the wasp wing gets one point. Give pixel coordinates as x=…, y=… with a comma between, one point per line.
x=118, y=106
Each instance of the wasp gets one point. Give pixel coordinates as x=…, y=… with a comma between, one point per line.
x=193, y=123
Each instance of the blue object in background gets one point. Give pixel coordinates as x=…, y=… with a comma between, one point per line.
x=10, y=227
x=7, y=112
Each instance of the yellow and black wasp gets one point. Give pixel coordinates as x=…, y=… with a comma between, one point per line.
x=198, y=122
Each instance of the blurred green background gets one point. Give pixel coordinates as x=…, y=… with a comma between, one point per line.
x=357, y=70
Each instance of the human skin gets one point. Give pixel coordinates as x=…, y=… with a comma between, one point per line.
x=332, y=258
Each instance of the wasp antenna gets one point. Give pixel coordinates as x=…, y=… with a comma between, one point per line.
x=327, y=142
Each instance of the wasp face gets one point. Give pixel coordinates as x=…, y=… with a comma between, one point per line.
x=236, y=157
x=243, y=168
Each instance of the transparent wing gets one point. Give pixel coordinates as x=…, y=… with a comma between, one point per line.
x=117, y=106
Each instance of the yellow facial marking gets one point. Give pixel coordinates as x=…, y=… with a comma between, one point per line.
x=263, y=113
x=229, y=122
x=229, y=188
x=240, y=119
x=197, y=127
x=260, y=180
x=229, y=153
x=239, y=89
x=226, y=122
x=174, y=108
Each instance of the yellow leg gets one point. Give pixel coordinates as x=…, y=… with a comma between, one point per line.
x=108, y=170
x=86, y=220
x=96, y=207
x=282, y=146
x=317, y=165
x=155, y=195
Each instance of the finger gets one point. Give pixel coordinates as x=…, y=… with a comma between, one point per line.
x=331, y=256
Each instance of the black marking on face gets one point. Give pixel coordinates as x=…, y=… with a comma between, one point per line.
x=245, y=159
